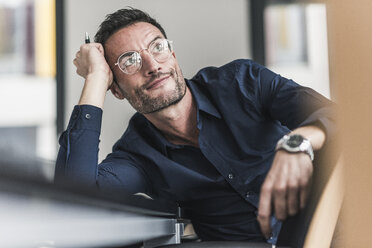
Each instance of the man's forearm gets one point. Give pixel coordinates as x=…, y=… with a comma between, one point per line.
x=94, y=91
x=91, y=65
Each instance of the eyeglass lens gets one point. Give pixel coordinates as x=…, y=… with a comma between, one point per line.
x=131, y=62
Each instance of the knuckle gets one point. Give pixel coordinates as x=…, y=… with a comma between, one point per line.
x=304, y=182
x=266, y=189
x=262, y=216
x=293, y=206
x=306, y=161
x=292, y=212
x=311, y=169
x=281, y=217
x=303, y=203
x=293, y=186
x=280, y=189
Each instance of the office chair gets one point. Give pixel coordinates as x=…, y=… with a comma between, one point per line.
x=314, y=225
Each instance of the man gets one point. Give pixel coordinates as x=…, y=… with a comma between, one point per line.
x=233, y=145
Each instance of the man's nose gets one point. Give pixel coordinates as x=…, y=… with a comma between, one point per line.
x=149, y=64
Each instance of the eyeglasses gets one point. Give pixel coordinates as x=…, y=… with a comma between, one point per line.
x=130, y=62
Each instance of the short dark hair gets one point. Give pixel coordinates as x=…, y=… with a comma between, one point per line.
x=123, y=18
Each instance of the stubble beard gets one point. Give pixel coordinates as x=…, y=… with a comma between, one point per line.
x=146, y=104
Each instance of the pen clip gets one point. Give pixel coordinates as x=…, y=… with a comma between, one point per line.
x=87, y=39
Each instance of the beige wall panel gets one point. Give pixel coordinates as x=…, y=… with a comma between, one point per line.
x=350, y=32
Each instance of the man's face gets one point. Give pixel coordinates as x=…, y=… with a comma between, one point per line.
x=156, y=85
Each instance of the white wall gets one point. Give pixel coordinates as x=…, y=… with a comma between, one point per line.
x=207, y=32
x=28, y=101
x=315, y=72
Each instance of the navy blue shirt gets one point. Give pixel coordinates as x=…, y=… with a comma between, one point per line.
x=243, y=109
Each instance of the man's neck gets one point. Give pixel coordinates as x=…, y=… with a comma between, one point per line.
x=178, y=122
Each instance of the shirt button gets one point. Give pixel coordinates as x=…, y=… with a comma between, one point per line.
x=87, y=116
x=231, y=176
x=249, y=194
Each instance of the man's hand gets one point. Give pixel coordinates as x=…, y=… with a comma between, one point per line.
x=285, y=189
x=91, y=64
x=90, y=59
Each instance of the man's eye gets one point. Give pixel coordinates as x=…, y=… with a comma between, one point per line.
x=160, y=46
x=132, y=60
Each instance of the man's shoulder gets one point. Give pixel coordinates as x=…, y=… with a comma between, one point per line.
x=132, y=133
x=136, y=123
x=232, y=65
x=228, y=70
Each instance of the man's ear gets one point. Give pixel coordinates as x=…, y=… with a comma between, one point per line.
x=116, y=91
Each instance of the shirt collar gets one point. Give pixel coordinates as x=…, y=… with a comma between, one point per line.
x=202, y=101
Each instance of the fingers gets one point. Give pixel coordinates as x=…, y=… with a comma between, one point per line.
x=86, y=49
x=88, y=58
x=292, y=198
x=100, y=48
x=264, y=208
x=303, y=197
x=80, y=70
x=286, y=188
x=280, y=201
x=89, y=46
x=293, y=189
x=305, y=185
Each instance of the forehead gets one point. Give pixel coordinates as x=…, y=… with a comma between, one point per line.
x=134, y=37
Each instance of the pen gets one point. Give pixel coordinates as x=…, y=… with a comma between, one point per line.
x=87, y=39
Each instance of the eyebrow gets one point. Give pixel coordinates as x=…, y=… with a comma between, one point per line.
x=156, y=38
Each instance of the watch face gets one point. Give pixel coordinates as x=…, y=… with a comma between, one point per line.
x=295, y=141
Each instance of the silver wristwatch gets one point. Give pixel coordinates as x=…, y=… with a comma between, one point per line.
x=295, y=143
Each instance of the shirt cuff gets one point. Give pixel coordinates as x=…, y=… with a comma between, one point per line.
x=86, y=117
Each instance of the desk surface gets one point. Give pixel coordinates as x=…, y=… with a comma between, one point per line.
x=37, y=213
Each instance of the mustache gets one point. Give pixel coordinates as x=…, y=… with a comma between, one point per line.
x=158, y=75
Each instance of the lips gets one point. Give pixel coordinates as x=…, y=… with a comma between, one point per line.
x=156, y=83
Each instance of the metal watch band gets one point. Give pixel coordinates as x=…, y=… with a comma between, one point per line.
x=304, y=146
